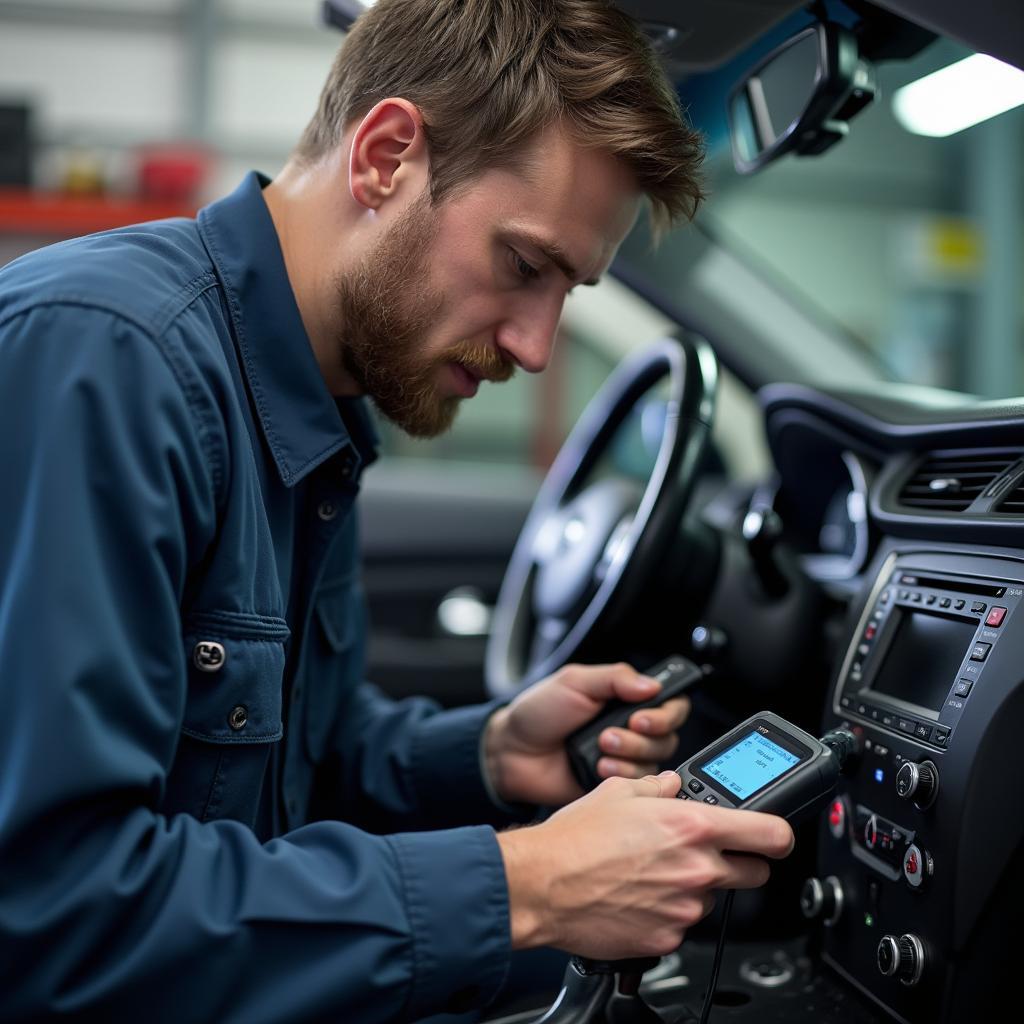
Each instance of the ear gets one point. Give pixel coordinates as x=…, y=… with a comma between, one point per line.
x=389, y=153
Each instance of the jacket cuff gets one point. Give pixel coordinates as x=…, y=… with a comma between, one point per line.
x=461, y=938
x=448, y=775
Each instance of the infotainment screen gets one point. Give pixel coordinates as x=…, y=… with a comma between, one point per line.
x=923, y=659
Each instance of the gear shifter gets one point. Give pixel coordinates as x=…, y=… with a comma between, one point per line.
x=602, y=992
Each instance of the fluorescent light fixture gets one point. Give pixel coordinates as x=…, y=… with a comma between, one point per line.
x=343, y=13
x=958, y=96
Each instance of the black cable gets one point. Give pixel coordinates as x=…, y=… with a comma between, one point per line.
x=717, y=964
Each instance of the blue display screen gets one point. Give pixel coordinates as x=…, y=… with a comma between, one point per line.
x=750, y=765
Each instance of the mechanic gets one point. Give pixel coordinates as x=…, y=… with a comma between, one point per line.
x=204, y=815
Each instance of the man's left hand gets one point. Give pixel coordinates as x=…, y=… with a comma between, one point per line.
x=524, y=744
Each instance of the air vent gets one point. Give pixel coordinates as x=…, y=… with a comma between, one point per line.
x=950, y=482
x=1013, y=503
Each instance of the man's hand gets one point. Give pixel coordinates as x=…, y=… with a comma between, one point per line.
x=524, y=745
x=624, y=872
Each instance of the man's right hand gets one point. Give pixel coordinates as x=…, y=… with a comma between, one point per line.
x=625, y=870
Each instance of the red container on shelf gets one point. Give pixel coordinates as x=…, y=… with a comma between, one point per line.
x=173, y=172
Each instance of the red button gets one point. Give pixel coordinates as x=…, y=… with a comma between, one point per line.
x=996, y=616
x=912, y=864
x=869, y=633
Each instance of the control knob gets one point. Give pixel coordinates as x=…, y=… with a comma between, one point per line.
x=918, y=866
x=918, y=782
x=708, y=642
x=901, y=958
x=762, y=530
x=822, y=899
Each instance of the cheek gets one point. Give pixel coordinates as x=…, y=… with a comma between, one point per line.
x=474, y=316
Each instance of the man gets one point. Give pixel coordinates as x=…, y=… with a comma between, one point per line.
x=203, y=815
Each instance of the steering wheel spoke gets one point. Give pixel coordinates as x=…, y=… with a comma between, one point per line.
x=547, y=635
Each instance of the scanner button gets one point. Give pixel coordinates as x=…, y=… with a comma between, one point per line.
x=694, y=786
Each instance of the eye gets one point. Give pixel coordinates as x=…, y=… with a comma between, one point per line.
x=525, y=270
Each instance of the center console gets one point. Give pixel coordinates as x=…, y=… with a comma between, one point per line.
x=919, y=885
x=920, y=851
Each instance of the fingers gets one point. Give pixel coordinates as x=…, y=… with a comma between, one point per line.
x=744, y=872
x=633, y=755
x=666, y=784
x=624, y=744
x=749, y=832
x=608, y=768
x=661, y=721
x=602, y=682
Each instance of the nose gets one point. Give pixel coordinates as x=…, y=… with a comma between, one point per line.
x=528, y=336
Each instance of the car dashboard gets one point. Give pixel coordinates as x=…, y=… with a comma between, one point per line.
x=907, y=507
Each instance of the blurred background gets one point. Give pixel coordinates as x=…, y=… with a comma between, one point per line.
x=892, y=257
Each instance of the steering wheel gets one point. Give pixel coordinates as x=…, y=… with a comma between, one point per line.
x=587, y=547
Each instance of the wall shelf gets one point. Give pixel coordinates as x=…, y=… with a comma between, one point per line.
x=57, y=215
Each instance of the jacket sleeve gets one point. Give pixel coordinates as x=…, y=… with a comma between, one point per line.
x=410, y=765
x=109, y=910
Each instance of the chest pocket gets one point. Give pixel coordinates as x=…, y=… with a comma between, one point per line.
x=232, y=714
x=337, y=663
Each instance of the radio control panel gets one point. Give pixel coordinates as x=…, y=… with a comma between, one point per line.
x=921, y=649
x=921, y=834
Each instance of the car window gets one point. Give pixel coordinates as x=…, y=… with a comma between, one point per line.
x=910, y=245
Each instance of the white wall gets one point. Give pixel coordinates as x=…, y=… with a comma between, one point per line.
x=113, y=74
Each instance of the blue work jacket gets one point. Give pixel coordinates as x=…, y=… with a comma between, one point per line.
x=195, y=786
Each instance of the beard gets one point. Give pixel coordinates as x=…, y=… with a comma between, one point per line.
x=387, y=308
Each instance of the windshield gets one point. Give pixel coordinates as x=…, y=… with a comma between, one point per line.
x=907, y=248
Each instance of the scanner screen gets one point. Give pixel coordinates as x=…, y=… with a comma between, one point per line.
x=749, y=765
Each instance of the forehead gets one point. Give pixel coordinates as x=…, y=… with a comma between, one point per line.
x=583, y=200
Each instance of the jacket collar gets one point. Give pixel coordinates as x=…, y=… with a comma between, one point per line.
x=301, y=421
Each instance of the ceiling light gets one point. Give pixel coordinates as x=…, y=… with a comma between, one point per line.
x=342, y=13
x=958, y=96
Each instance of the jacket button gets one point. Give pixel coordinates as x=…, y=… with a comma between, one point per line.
x=327, y=510
x=209, y=656
x=238, y=717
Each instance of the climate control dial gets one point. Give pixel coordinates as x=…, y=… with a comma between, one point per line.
x=821, y=899
x=918, y=782
x=901, y=958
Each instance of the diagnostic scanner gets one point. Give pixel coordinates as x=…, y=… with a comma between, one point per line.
x=768, y=764
x=676, y=675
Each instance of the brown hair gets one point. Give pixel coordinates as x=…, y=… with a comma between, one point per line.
x=487, y=75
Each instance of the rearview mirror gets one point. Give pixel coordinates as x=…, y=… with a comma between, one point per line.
x=799, y=98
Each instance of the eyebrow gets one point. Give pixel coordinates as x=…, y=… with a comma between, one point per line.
x=553, y=252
